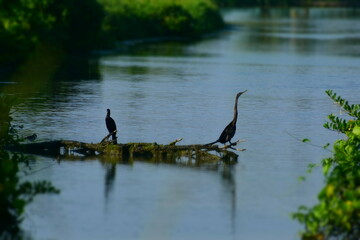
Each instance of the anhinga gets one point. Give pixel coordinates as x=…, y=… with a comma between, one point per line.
x=111, y=126
x=230, y=129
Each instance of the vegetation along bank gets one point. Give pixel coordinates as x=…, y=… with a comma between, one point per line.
x=337, y=213
x=84, y=25
x=288, y=3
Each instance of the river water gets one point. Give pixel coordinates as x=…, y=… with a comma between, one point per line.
x=159, y=92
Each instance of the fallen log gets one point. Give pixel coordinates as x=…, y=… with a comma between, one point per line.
x=129, y=151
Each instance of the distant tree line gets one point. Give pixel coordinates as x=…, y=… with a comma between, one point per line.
x=83, y=25
x=129, y=19
x=284, y=3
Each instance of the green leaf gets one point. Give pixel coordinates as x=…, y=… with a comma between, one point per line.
x=326, y=168
x=301, y=178
x=356, y=130
x=306, y=140
x=310, y=167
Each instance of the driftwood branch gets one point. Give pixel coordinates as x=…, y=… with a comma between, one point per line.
x=234, y=144
x=107, y=136
x=176, y=141
x=130, y=151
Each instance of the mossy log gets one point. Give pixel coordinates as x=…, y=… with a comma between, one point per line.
x=126, y=151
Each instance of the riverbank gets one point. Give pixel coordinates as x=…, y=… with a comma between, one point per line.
x=99, y=25
x=83, y=26
x=289, y=3
x=330, y=4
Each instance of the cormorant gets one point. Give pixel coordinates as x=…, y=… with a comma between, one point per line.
x=230, y=129
x=31, y=138
x=111, y=126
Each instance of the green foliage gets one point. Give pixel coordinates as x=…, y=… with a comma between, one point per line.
x=338, y=212
x=14, y=194
x=129, y=19
x=339, y=124
x=24, y=24
x=311, y=167
x=84, y=25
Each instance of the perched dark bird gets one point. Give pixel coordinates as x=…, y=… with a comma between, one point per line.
x=230, y=129
x=31, y=138
x=111, y=126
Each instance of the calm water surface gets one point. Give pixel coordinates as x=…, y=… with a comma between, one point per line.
x=159, y=92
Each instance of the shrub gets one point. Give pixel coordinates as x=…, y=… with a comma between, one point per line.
x=126, y=19
x=338, y=212
x=14, y=194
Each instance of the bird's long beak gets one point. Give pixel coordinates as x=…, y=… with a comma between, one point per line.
x=242, y=92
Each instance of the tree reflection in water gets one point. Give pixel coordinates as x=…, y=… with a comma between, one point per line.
x=224, y=170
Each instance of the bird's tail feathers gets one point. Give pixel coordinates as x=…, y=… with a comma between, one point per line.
x=208, y=144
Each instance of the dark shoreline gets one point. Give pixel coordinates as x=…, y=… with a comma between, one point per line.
x=121, y=46
x=333, y=4
x=300, y=3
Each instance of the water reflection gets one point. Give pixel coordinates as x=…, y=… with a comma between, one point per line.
x=167, y=48
x=146, y=199
x=229, y=180
x=109, y=178
x=47, y=72
x=302, y=30
x=78, y=69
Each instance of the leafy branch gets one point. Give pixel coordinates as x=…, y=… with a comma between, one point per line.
x=339, y=124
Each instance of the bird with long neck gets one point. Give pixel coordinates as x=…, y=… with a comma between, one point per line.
x=111, y=126
x=230, y=129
